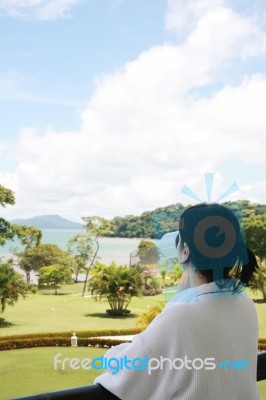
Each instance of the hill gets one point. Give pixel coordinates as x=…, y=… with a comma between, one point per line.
x=150, y=224
x=48, y=222
x=154, y=224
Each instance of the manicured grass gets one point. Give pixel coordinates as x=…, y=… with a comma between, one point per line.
x=261, y=311
x=262, y=389
x=30, y=371
x=69, y=311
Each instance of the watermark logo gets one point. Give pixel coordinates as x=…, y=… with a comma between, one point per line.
x=115, y=365
x=225, y=231
x=238, y=365
x=218, y=228
x=213, y=233
x=209, y=177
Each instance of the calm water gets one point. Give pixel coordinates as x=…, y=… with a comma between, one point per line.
x=111, y=249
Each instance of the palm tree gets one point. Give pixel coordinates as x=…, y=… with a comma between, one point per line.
x=163, y=273
x=150, y=284
x=12, y=286
x=118, y=284
x=146, y=318
x=77, y=267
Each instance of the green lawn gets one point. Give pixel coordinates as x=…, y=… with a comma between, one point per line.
x=30, y=371
x=71, y=312
x=68, y=312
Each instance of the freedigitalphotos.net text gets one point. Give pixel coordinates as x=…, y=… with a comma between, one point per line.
x=146, y=364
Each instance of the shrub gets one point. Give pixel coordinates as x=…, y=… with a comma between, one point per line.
x=85, y=338
x=262, y=344
x=31, y=288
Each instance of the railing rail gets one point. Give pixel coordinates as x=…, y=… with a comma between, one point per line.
x=92, y=392
x=97, y=392
x=261, y=366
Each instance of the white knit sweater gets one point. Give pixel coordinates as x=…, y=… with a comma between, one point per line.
x=202, y=322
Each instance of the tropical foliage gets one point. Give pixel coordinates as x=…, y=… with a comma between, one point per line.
x=117, y=283
x=154, y=224
x=147, y=252
x=259, y=281
x=55, y=276
x=255, y=231
x=81, y=248
x=27, y=235
x=147, y=317
x=33, y=258
x=12, y=286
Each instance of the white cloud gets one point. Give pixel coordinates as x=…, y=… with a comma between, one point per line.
x=253, y=192
x=182, y=15
x=45, y=10
x=144, y=134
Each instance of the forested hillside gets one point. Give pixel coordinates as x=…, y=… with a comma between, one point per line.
x=153, y=224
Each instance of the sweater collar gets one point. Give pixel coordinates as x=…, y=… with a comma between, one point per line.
x=193, y=294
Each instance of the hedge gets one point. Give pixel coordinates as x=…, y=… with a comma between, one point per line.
x=262, y=344
x=85, y=339
x=68, y=334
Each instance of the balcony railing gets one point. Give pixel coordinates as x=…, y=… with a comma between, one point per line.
x=97, y=392
x=92, y=392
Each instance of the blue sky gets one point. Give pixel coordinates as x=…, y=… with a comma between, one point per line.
x=51, y=64
x=109, y=107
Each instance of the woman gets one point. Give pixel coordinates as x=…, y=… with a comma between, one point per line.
x=203, y=346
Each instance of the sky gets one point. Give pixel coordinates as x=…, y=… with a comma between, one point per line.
x=110, y=107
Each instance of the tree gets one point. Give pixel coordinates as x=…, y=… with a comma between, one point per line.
x=77, y=267
x=175, y=270
x=150, y=283
x=147, y=252
x=6, y=196
x=255, y=231
x=171, y=270
x=98, y=226
x=33, y=258
x=55, y=276
x=95, y=227
x=258, y=282
x=82, y=248
x=6, y=231
x=163, y=273
x=6, y=228
x=27, y=235
x=11, y=286
x=118, y=284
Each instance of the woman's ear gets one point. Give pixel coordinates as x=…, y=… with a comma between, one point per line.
x=186, y=252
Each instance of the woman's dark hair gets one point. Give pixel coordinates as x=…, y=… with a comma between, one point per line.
x=217, y=245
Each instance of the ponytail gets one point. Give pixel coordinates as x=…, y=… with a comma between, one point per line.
x=249, y=268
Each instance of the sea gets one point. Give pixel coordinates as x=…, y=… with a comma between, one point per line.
x=110, y=249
